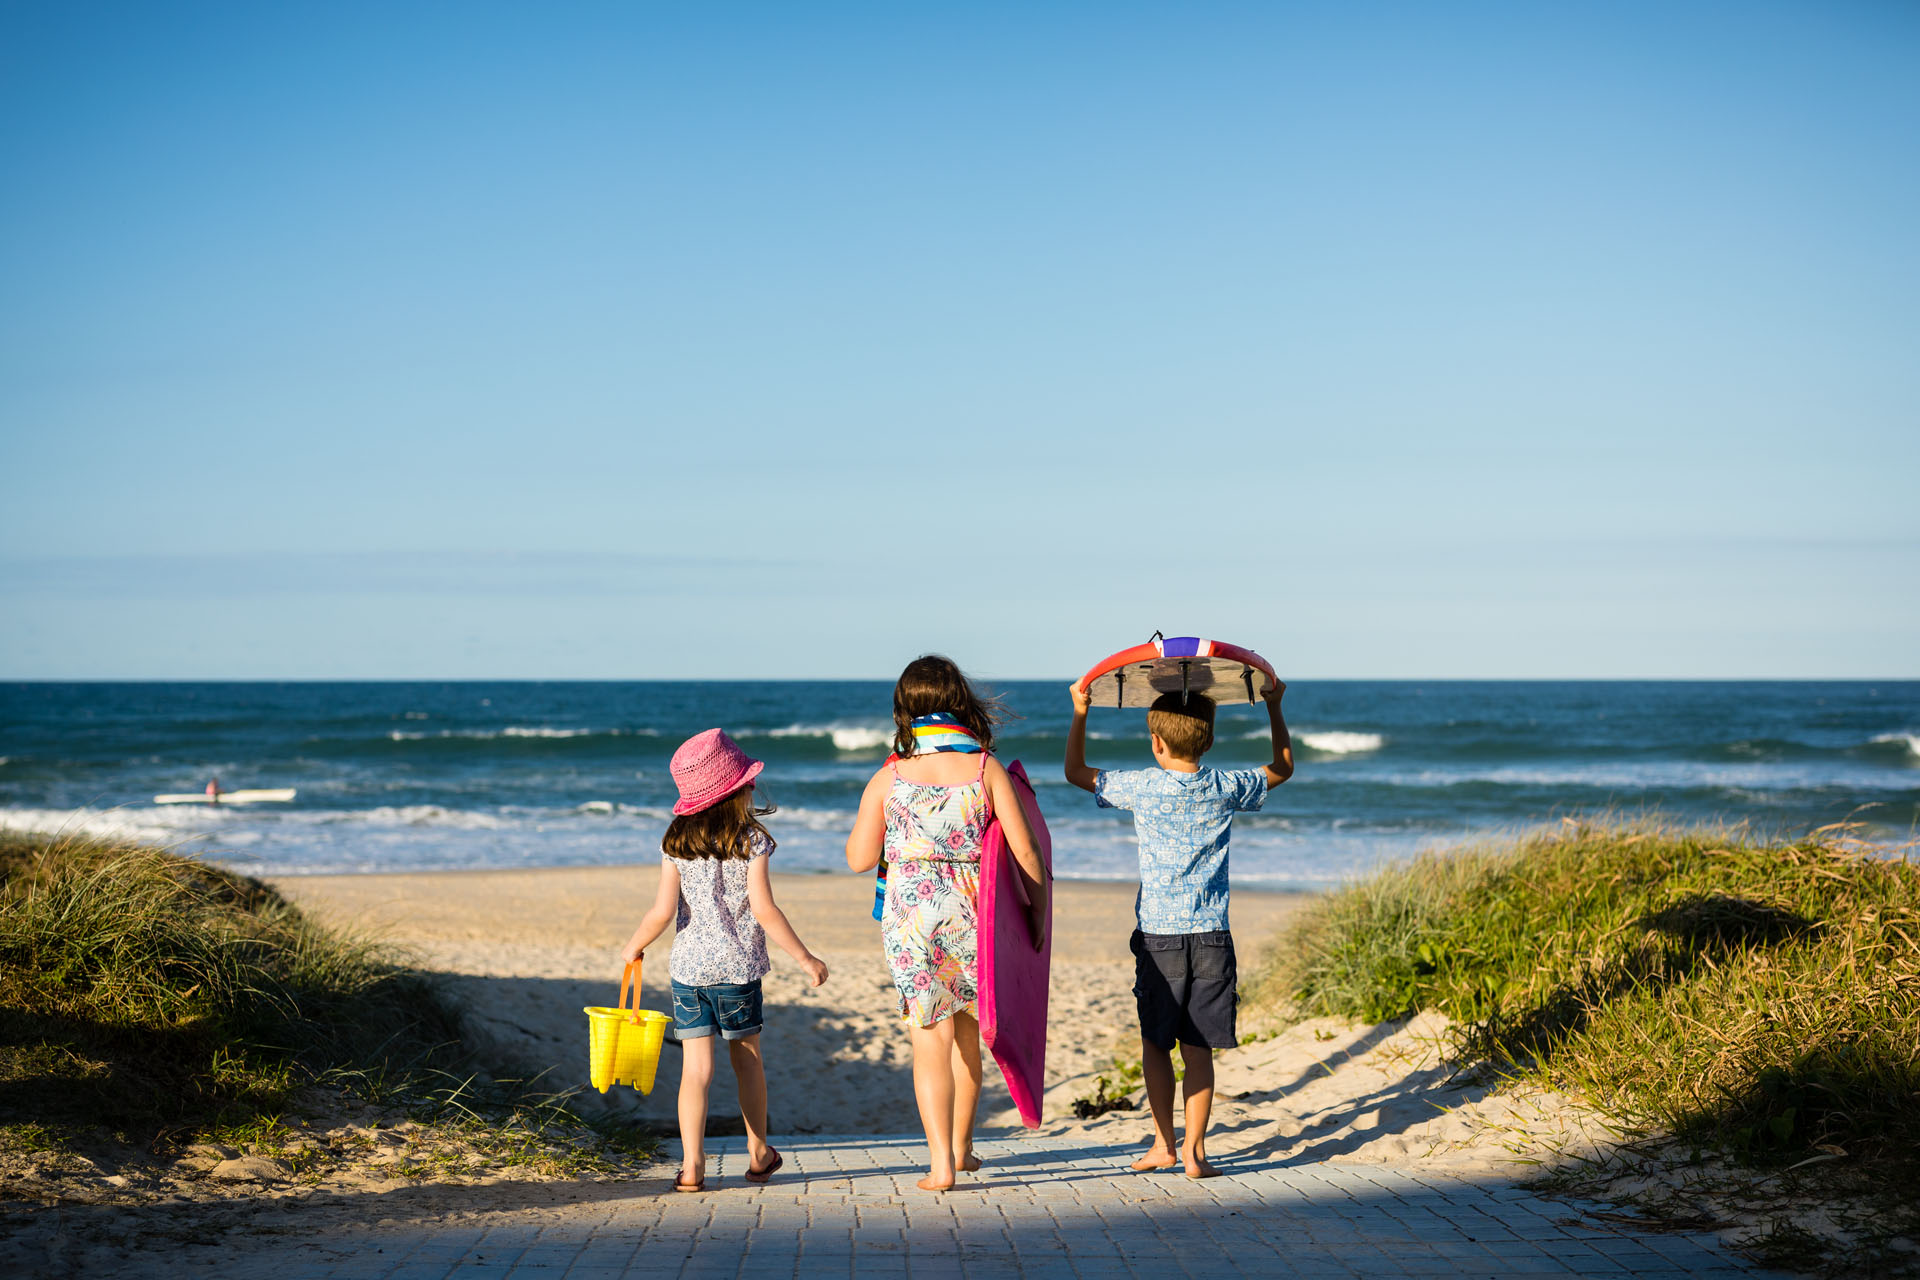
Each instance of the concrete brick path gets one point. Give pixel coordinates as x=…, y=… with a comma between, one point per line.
x=1056, y=1208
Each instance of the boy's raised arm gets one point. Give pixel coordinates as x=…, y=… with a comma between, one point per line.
x=1077, y=771
x=1282, y=767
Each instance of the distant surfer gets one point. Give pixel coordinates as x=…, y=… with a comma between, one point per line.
x=213, y=793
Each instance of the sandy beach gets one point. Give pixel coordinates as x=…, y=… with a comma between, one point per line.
x=525, y=950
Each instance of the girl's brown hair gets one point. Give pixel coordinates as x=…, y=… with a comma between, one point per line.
x=722, y=830
x=932, y=684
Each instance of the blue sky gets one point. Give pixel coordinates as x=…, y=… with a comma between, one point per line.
x=648, y=341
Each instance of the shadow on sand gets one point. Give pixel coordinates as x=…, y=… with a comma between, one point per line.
x=534, y=1028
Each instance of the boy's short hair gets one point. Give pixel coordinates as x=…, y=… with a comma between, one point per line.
x=1183, y=722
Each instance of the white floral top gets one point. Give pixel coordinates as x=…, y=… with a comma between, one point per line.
x=716, y=940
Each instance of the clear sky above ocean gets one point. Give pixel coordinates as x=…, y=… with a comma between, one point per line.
x=629, y=340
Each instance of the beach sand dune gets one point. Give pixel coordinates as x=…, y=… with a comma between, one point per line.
x=524, y=951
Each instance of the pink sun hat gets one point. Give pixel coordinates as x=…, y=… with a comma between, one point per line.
x=708, y=768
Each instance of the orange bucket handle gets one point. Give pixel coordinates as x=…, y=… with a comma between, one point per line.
x=629, y=1000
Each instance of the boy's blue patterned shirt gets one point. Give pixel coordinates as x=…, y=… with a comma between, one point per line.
x=1183, y=821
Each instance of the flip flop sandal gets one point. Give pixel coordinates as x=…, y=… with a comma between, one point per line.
x=698, y=1184
x=763, y=1175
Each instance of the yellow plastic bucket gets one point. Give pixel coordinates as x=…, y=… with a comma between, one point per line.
x=623, y=1042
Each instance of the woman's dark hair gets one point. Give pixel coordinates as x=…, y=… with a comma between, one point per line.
x=932, y=684
x=722, y=830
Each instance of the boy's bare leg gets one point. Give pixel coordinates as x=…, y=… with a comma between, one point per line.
x=696, y=1073
x=750, y=1077
x=1156, y=1064
x=966, y=1089
x=1198, y=1060
x=933, y=1051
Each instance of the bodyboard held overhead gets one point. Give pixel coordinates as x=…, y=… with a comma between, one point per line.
x=1012, y=977
x=1134, y=677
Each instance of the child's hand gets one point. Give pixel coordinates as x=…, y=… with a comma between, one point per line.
x=630, y=954
x=1081, y=698
x=815, y=968
x=1275, y=691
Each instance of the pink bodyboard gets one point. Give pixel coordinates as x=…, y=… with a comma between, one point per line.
x=1012, y=976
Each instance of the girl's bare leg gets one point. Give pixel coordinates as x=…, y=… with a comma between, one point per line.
x=966, y=1088
x=933, y=1089
x=750, y=1075
x=696, y=1073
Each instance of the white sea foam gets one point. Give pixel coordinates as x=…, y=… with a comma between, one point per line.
x=844, y=736
x=1343, y=742
x=652, y=813
x=860, y=739
x=168, y=823
x=1333, y=742
x=395, y=816
x=597, y=806
x=514, y=731
x=1750, y=780
x=108, y=824
x=1911, y=739
x=813, y=819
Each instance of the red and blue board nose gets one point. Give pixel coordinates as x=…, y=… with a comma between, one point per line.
x=1184, y=647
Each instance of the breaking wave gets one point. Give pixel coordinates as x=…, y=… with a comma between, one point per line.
x=845, y=737
x=1910, y=740
x=1342, y=742
x=517, y=731
x=1333, y=742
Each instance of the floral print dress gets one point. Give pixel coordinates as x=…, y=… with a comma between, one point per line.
x=929, y=927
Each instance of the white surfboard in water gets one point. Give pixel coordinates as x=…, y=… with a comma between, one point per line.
x=272, y=795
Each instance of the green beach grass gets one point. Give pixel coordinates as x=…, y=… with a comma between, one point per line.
x=1756, y=1001
x=148, y=1001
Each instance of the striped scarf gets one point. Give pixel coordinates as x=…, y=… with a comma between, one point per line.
x=942, y=732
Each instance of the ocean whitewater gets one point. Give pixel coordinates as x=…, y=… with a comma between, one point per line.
x=420, y=776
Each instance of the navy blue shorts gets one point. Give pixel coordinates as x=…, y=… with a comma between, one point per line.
x=1187, y=988
x=730, y=1008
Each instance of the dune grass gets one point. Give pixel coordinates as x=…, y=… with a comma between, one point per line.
x=1758, y=998
x=147, y=999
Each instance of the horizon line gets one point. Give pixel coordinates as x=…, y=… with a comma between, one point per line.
x=985, y=679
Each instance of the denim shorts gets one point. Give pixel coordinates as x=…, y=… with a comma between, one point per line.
x=1186, y=985
x=730, y=1008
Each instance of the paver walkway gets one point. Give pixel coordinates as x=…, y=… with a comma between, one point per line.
x=1043, y=1207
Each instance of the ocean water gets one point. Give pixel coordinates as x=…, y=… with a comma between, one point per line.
x=406, y=776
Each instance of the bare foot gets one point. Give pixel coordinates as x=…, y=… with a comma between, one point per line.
x=931, y=1183
x=1197, y=1167
x=970, y=1163
x=1156, y=1158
